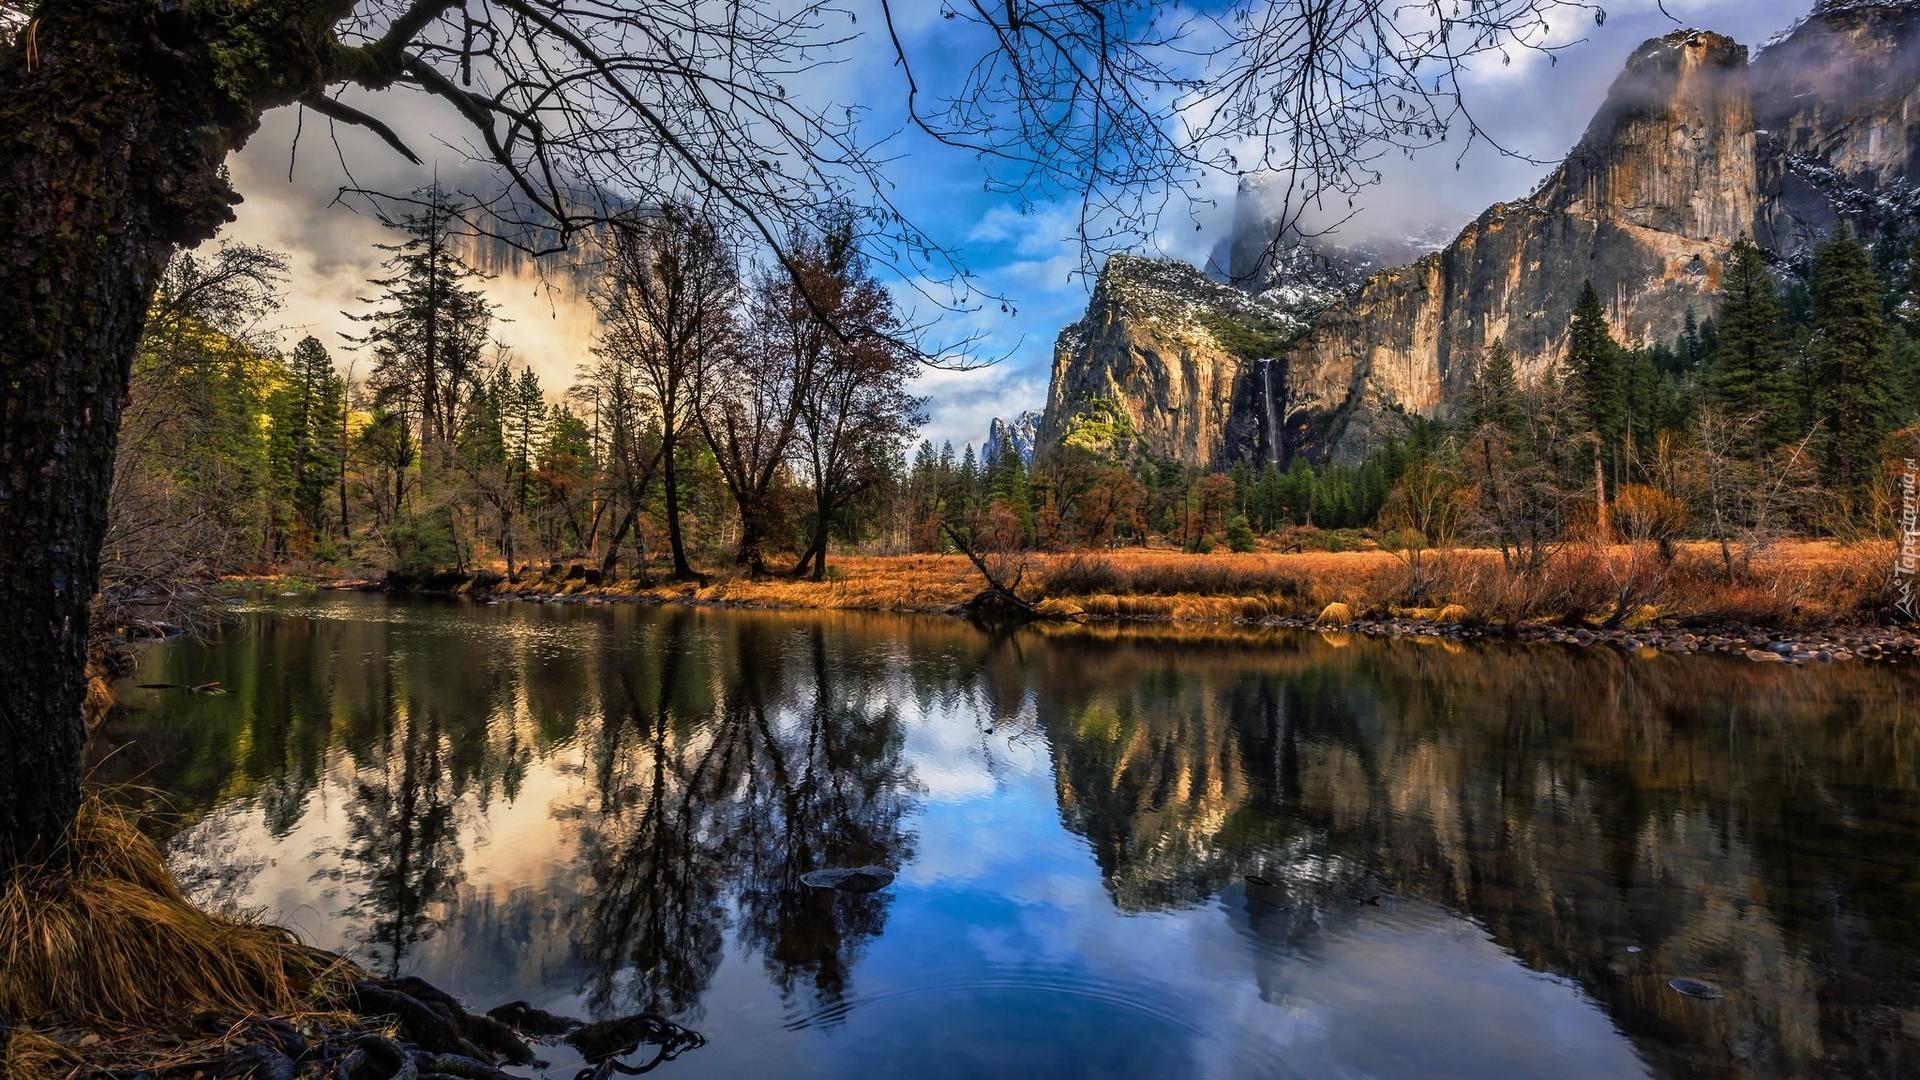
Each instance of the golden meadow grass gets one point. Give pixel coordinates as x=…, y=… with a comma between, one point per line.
x=1792, y=584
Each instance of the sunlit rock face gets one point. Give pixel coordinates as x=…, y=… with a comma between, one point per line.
x=1145, y=369
x=1645, y=206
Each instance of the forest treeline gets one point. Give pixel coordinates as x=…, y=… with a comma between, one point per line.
x=727, y=411
x=750, y=416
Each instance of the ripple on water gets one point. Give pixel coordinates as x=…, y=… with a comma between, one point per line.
x=1004, y=1008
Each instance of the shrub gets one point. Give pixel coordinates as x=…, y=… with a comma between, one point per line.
x=1240, y=534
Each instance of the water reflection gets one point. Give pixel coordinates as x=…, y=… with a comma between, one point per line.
x=611, y=809
x=705, y=796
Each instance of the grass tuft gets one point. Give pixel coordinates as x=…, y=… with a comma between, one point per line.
x=111, y=941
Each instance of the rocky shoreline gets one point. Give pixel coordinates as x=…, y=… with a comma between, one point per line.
x=1758, y=644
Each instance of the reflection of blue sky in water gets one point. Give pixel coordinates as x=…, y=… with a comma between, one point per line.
x=1002, y=952
x=1002, y=955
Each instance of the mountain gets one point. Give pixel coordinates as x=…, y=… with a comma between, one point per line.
x=1693, y=146
x=1159, y=361
x=1019, y=433
x=1836, y=105
x=1646, y=206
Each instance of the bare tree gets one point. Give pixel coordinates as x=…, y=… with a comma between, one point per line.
x=1127, y=105
x=630, y=449
x=171, y=525
x=667, y=283
x=855, y=410
x=763, y=371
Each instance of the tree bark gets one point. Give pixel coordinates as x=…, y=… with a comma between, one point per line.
x=670, y=483
x=110, y=151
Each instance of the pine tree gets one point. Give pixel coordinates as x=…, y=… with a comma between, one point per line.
x=1852, y=374
x=1688, y=347
x=1598, y=370
x=304, y=443
x=1749, y=376
x=428, y=338
x=1240, y=534
x=1006, y=481
x=1495, y=395
x=523, y=413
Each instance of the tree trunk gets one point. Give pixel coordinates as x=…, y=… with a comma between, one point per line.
x=819, y=545
x=1603, y=532
x=613, y=549
x=110, y=150
x=751, y=531
x=670, y=482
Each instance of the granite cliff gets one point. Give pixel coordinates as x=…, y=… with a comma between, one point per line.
x=1159, y=361
x=1836, y=104
x=1693, y=146
x=1646, y=206
x=1018, y=433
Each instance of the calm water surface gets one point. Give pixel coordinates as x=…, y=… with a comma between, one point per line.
x=1487, y=861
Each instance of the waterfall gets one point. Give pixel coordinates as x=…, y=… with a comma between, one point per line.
x=1272, y=430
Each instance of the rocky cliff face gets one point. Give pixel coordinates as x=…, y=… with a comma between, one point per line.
x=1837, y=105
x=1157, y=364
x=1646, y=207
x=1691, y=148
x=1017, y=433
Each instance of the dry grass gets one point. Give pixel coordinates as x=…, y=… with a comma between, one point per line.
x=110, y=946
x=1795, y=583
x=855, y=583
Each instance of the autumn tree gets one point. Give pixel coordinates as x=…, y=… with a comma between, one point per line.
x=760, y=384
x=667, y=283
x=854, y=406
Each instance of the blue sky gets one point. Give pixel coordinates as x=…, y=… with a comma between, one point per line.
x=1026, y=254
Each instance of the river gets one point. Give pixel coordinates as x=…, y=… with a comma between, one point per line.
x=1480, y=861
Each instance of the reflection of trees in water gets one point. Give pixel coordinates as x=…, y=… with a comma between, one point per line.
x=1752, y=826
x=403, y=836
x=654, y=914
x=827, y=787
x=787, y=768
x=1741, y=822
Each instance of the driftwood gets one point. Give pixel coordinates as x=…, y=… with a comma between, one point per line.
x=998, y=599
x=605, y=1042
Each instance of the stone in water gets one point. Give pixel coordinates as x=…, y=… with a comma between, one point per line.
x=856, y=879
x=1696, y=988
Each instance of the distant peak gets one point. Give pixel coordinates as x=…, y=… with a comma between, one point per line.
x=1828, y=7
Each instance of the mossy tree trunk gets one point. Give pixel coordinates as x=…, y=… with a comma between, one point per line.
x=114, y=120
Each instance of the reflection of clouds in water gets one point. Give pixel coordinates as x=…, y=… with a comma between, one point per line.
x=1124, y=774
x=1417, y=991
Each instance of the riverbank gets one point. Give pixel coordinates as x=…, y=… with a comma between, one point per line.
x=1628, y=594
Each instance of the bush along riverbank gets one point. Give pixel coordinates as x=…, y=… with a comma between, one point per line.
x=106, y=970
x=1688, y=596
